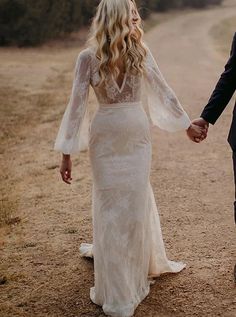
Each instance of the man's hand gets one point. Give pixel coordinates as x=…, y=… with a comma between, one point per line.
x=196, y=133
x=203, y=124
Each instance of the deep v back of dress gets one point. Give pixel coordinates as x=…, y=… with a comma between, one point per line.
x=125, y=88
x=120, y=80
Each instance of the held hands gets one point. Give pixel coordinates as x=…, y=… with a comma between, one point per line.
x=65, y=169
x=198, y=130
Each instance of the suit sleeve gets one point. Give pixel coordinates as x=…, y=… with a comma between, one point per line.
x=224, y=89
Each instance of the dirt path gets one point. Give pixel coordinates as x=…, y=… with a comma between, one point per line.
x=193, y=184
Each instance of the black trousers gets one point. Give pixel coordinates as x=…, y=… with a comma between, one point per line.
x=234, y=163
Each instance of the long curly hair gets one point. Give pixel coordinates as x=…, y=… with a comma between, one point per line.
x=114, y=38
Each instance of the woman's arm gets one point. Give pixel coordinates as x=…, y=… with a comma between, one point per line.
x=67, y=140
x=68, y=137
x=164, y=107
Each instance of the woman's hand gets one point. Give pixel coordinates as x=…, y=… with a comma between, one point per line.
x=65, y=169
x=196, y=133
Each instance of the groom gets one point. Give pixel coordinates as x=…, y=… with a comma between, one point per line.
x=219, y=99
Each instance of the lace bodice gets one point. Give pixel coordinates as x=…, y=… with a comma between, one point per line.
x=164, y=109
x=109, y=92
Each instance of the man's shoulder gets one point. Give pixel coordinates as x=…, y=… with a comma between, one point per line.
x=233, y=47
x=234, y=37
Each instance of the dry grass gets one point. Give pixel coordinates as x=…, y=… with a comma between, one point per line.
x=9, y=198
x=7, y=209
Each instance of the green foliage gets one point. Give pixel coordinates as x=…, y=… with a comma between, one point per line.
x=29, y=22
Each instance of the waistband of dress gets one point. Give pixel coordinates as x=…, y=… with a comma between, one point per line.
x=119, y=105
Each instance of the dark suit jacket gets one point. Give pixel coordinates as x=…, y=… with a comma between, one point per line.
x=222, y=94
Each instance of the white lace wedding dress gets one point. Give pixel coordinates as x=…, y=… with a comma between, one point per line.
x=127, y=247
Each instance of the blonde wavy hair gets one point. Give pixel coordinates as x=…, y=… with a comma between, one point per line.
x=114, y=37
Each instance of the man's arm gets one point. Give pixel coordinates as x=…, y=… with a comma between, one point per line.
x=224, y=89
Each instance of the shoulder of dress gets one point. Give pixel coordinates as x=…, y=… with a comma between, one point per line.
x=148, y=56
x=147, y=48
x=85, y=54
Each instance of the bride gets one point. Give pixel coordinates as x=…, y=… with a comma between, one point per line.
x=127, y=248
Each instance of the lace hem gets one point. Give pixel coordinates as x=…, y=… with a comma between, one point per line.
x=117, y=310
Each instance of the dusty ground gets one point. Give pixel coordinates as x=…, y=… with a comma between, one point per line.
x=41, y=271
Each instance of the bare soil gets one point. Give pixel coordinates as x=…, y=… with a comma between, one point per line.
x=43, y=220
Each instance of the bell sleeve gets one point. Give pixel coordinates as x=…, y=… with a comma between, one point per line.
x=164, y=108
x=71, y=138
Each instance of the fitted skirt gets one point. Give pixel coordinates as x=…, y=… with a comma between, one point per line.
x=127, y=247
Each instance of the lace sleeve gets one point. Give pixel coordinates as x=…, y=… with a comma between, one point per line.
x=68, y=139
x=164, y=108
